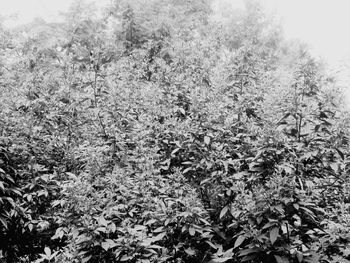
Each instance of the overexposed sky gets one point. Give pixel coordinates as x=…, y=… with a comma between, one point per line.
x=29, y=9
x=322, y=24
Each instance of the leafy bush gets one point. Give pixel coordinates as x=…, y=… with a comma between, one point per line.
x=156, y=133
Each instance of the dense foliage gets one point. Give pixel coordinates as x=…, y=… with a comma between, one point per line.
x=163, y=131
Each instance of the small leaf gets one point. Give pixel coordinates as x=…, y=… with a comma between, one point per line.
x=159, y=229
x=72, y=176
x=86, y=259
x=250, y=251
x=300, y=256
x=219, y=233
x=190, y=251
x=304, y=248
x=16, y=191
x=281, y=259
x=269, y=224
x=219, y=260
x=187, y=170
x=109, y=243
x=47, y=251
x=259, y=219
x=155, y=247
x=159, y=237
x=102, y=221
x=239, y=175
x=207, y=140
x=150, y=222
x=3, y=222
x=225, y=166
x=191, y=231
x=274, y=234
x=112, y=227
x=211, y=244
x=249, y=258
x=182, y=111
x=340, y=153
x=139, y=227
x=174, y=152
x=223, y=211
x=54, y=254
x=334, y=167
x=101, y=229
x=239, y=241
x=125, y=258
x=228, y=253
x=284, y=228
x=283, y=118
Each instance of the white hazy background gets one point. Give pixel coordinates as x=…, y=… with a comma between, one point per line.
x=322, y=24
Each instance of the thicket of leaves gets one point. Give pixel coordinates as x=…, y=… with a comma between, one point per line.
x=157, y=132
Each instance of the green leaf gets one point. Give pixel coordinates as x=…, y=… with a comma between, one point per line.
x=72, y=176
x=191, y=231
x=304, y=248
x=159, y=229
x=300, y=256
x=340, y=153
x=86, y=259
x=112, y=227
x=174, y=152
x=207, y=140
x=102, y=221
x=139, y=227
x=314, y=258
x=219, y=233
x=274, y=234
x=223, y=211
x=3, y=222
x=125, y=258
x=283, y=118
x=155, y=247
x=190, y=251
x=211, y=244
x=249, y=258
x=159, y=237
x=269, y=224
x=16, y=191
x=239, y=241
x=334, y=167
x=182, y=111
x=47, y=251
x=239, y=175
x=219, y=260
x=109, y=243
x=280, y=259
x=249, y=251
x=308, y=211
x=150, y=222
